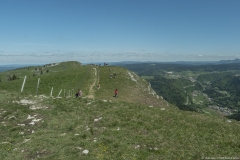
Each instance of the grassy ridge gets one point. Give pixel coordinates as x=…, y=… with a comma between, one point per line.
x=136, y=125
x=131, y=89
x=68, y=76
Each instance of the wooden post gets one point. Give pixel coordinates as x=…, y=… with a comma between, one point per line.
x=51, y=92
x=38, y=85
x=64, y=92
x=59, y=92
x=23, y=83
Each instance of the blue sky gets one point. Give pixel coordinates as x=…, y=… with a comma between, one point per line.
x=46, y=31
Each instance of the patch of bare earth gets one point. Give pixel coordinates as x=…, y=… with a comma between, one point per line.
x=34, y=104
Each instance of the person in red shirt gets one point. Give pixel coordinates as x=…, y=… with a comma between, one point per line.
x=116, y=93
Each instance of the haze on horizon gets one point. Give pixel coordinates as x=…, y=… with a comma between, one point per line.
x=46, y=31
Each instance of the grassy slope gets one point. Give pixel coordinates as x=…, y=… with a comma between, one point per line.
x=129, y=90
x=128, y=129
x=67, y=75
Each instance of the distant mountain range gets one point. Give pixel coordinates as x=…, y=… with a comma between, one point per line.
x=178, y=62
x=14, y=66
x=206, y=62
x=229, y=61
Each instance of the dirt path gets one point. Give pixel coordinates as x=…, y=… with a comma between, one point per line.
x=91, y=90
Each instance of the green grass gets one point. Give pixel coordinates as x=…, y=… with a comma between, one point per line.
x=127, y=127
x=211, y=112
x=174, y=134
x=199, y=99
x=185, y=74
x=129, y=90
x=68, y=78
x=147, y=77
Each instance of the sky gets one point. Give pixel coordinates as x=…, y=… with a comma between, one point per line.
x=48, y=31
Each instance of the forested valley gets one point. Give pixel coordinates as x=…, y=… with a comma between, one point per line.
x=205, y=88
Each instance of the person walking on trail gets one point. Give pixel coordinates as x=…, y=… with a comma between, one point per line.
x=79, y=93
x=98, y=85
x=116, y=93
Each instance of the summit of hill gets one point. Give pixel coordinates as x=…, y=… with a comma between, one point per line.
x=71, y=76
x=43, y=119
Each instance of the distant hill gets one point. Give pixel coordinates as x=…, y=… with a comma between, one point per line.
x=228, y=61
x=8, y=67
x=14, y=66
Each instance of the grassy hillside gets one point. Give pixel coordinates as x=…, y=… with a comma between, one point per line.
x=73, y=76
x=136, y=125
x=131, y=88
x=67, y=75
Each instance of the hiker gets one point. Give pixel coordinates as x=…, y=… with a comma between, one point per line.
x=98, y=85
x=116, y=93
x=76, y=94
x=79, y=93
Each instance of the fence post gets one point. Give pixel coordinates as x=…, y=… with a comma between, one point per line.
x=51, y=92
x=23, y=83
x=59, y=92
x=38, y=85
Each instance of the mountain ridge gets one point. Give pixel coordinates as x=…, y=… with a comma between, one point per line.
x=136, y=125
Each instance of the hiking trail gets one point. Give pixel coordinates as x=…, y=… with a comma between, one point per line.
x=91, y=90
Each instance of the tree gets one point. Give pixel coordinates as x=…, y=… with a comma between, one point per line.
x=14, y=77
x=235, y=116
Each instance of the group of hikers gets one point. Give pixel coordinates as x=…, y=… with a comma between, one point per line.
x=79, y=93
